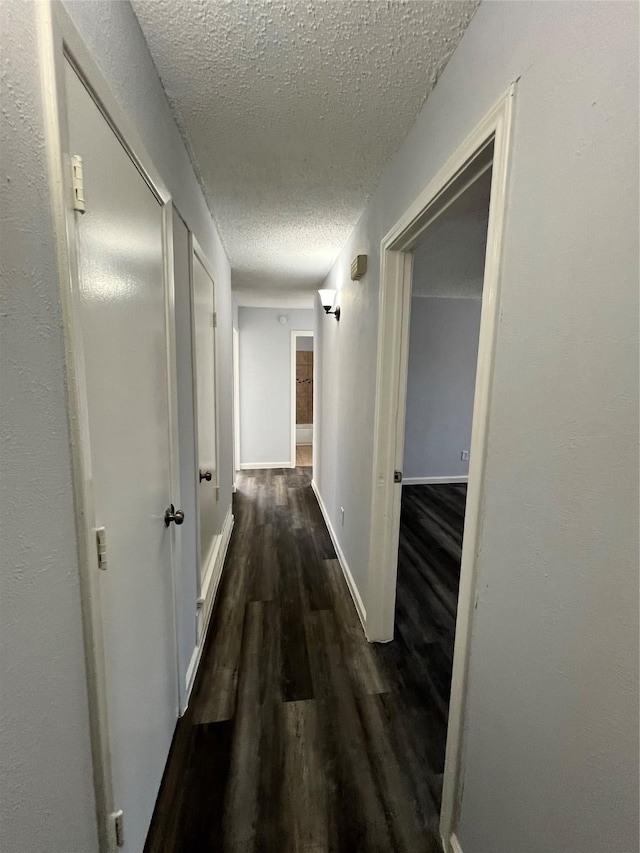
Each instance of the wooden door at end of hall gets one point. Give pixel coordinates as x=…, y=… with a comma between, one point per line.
x=304, y=387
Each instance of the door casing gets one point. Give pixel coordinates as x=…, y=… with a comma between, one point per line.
x=59, y=41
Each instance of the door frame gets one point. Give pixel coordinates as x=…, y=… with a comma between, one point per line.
x=294, y=337
x=59, y=41
x=396, y=267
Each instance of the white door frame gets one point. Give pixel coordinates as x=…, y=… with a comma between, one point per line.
x=469, y=161
x=59, y=41
x=294, y=337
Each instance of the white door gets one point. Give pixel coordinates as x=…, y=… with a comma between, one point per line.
x=123, y=322
x=204, y=328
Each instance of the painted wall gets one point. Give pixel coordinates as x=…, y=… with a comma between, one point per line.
x=47, y=788
x=265, y=383
x=443, y=353
x=552, y=714
x=304, y=344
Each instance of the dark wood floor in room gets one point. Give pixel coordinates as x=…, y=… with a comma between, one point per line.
x=300, y=735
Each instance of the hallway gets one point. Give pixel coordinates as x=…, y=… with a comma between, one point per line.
x=300, y=735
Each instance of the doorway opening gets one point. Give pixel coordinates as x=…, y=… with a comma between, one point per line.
x=302, y=399
x=444, y=331
x=482, y=157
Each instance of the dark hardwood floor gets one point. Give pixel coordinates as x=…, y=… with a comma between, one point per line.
x=300, y=735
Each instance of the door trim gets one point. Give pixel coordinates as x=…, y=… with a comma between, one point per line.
x=396, y=266
x=59, y=41
x=294, y=337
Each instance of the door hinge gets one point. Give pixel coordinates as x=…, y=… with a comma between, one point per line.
x=397, y=476
x=77, y=183
x=118, y=827
x=217, y=492
x=214, y=320
x=101, y=546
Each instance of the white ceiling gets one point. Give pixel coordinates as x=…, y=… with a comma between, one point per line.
x=450, y=259
x=290, y=110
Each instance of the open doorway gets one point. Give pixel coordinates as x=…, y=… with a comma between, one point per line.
x=302, y=399
x=444, y=331
x=484, y=155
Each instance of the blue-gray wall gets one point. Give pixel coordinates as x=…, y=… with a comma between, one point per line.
x=443, y=353
x=265, y=382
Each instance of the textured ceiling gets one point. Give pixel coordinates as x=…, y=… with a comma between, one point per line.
x=450, y=259
x=291, y=109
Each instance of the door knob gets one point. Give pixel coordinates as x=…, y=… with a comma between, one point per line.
x=173, y=514
x=205, y=475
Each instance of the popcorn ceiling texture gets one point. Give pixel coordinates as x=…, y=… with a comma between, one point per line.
x=291, y=109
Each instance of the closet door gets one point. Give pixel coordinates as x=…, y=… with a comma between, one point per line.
x=204, y=325
x=122, y=309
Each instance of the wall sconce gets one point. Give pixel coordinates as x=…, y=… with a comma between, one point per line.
x=328, y=297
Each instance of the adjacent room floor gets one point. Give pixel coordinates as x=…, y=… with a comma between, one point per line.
x=300, y=735
x=304, y=455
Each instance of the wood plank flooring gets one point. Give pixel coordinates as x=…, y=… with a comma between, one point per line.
x=300, y=735
x=304, y=455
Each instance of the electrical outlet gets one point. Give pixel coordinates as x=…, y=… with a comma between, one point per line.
x=342, y=516
x=464, y=456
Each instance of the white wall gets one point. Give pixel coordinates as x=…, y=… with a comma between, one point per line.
x=265, y=383
x=304, y=343
x=552, y=719
x=47, y=789
x=443, y=353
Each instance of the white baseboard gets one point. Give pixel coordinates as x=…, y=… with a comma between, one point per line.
x=260, y=466
x=425, y=481
x=206, y=600
x=304, y=433
x=346, y=571
x=454, y=844
x=191, y=675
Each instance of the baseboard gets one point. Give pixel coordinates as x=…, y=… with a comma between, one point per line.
x=304, y=433
x=205, y=602
x=454, y=844
x=191, y=675
x=260, y=466
x=425, y=481
x=346, y=571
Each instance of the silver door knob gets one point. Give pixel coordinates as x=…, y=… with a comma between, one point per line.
x=205, y=475
x=173, y=514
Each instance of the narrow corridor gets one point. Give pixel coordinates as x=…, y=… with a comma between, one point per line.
x=300, y=735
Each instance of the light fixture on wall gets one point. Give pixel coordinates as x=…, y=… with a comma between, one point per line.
x=328, y=297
